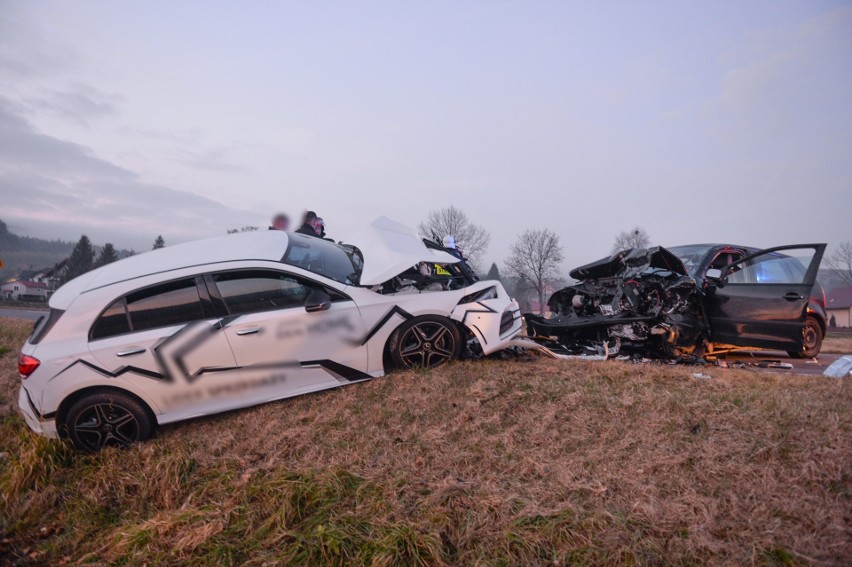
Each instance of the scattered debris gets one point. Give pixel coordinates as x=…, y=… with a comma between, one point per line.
x=840, y=368
x=700, y=376
x=775, y=364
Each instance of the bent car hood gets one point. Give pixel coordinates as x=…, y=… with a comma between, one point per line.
x=389, y=248
x=618, y=263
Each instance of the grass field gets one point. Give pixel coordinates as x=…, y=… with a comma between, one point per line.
x=526, y=462
x=837, y=343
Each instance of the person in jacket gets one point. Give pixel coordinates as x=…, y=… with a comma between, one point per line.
x=309, y=224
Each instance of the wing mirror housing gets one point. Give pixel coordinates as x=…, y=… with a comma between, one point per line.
x=317, y=301
x=714, y=275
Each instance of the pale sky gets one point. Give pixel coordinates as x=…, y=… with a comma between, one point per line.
x=701, y=122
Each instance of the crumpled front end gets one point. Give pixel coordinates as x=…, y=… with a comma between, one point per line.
x=639, y=300
x=491, y=316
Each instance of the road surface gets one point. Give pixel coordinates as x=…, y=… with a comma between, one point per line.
x=807, y=366
x=28, y=314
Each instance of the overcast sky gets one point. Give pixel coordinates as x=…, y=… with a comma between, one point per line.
x=700, y=121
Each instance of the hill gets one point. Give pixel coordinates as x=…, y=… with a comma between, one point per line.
x=518, y=462
x=26, y=253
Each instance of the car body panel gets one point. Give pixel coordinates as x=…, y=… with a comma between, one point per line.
x=389, y=248
x=744, y=311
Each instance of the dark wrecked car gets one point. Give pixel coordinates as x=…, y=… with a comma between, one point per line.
x=688, y=301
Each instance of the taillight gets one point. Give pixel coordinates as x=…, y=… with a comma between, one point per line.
x=824, y=301
x=27, y=365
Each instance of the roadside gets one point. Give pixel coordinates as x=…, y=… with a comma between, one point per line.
x=26, y=305
x=18, y=313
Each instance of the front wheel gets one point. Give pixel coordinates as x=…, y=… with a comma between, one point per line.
x=107, y=419
x=811, y=340
x=425, y=342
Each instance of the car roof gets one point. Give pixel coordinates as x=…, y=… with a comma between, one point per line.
x=258, y=245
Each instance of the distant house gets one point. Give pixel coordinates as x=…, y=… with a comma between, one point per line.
x=24, y=290
x=839, y=304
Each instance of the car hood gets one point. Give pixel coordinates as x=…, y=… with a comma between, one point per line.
x=389, y=248
x=631, y=260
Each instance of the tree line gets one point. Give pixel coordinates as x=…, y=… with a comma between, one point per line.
x=82, y=258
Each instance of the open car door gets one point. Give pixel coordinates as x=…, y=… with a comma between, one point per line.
x=761, y=300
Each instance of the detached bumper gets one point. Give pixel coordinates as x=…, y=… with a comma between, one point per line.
x=36, y=422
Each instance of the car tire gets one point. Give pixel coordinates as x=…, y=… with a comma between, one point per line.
x=425, y=342
x=106, y=419
x=812, y=339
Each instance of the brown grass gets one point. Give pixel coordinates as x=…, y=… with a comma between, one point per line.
x=837, y=343
x=480, y=463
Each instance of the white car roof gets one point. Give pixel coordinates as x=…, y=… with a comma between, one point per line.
x=259, y=245
x=389, y=248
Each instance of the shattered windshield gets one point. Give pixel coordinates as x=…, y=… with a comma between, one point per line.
x=323, y=257
x=691, y=256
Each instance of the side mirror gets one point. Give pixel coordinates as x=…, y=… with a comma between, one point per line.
x=714, y=275
x=317, y=301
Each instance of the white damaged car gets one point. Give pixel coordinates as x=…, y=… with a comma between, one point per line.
x=231, y=322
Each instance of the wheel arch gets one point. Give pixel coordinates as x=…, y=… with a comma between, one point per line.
x=387, y=360
x=69, y=401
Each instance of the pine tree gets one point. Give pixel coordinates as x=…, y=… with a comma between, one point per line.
x=108, y=256
x=80, y=261
x=159, y=242
x=493, y=273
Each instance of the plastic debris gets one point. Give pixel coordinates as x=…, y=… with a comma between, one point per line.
x=700, y=376
x=840, y=368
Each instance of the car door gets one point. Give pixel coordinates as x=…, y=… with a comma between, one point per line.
x=292, y=332
x=161, y=339
x=761, y=300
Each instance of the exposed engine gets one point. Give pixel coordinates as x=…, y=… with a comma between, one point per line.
x=428, y=276
x=636, y=300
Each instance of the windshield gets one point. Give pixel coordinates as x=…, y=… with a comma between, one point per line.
x=322, y=257
x=691, y=256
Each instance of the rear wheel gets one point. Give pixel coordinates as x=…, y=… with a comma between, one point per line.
x=425, y=342
x=107, y=419
x=811, y=339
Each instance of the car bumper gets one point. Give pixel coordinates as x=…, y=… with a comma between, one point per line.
x=46, y=427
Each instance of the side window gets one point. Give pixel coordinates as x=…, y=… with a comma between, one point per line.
x=164, y=305
x=260, y=290
x=173, y=303
x=770, y=269
x=113, y=321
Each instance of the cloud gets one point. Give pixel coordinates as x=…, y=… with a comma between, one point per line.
x=80, y=103
x=25, y=53
x=48, y=182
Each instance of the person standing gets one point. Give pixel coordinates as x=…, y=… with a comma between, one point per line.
x=309, y=224
x=280, y=222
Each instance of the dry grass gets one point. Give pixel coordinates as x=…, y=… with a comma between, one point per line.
x=489, y=463
x=837, y=343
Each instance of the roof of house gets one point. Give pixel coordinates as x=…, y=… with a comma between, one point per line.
x=839, y=298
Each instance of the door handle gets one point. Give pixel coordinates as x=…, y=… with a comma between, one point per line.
x=252, y=331
x=792, y=296
x=130, y=352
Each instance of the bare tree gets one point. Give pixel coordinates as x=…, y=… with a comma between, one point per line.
x=840, y=262
x=637, y=237
x=534, y=259
x=470, y=238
